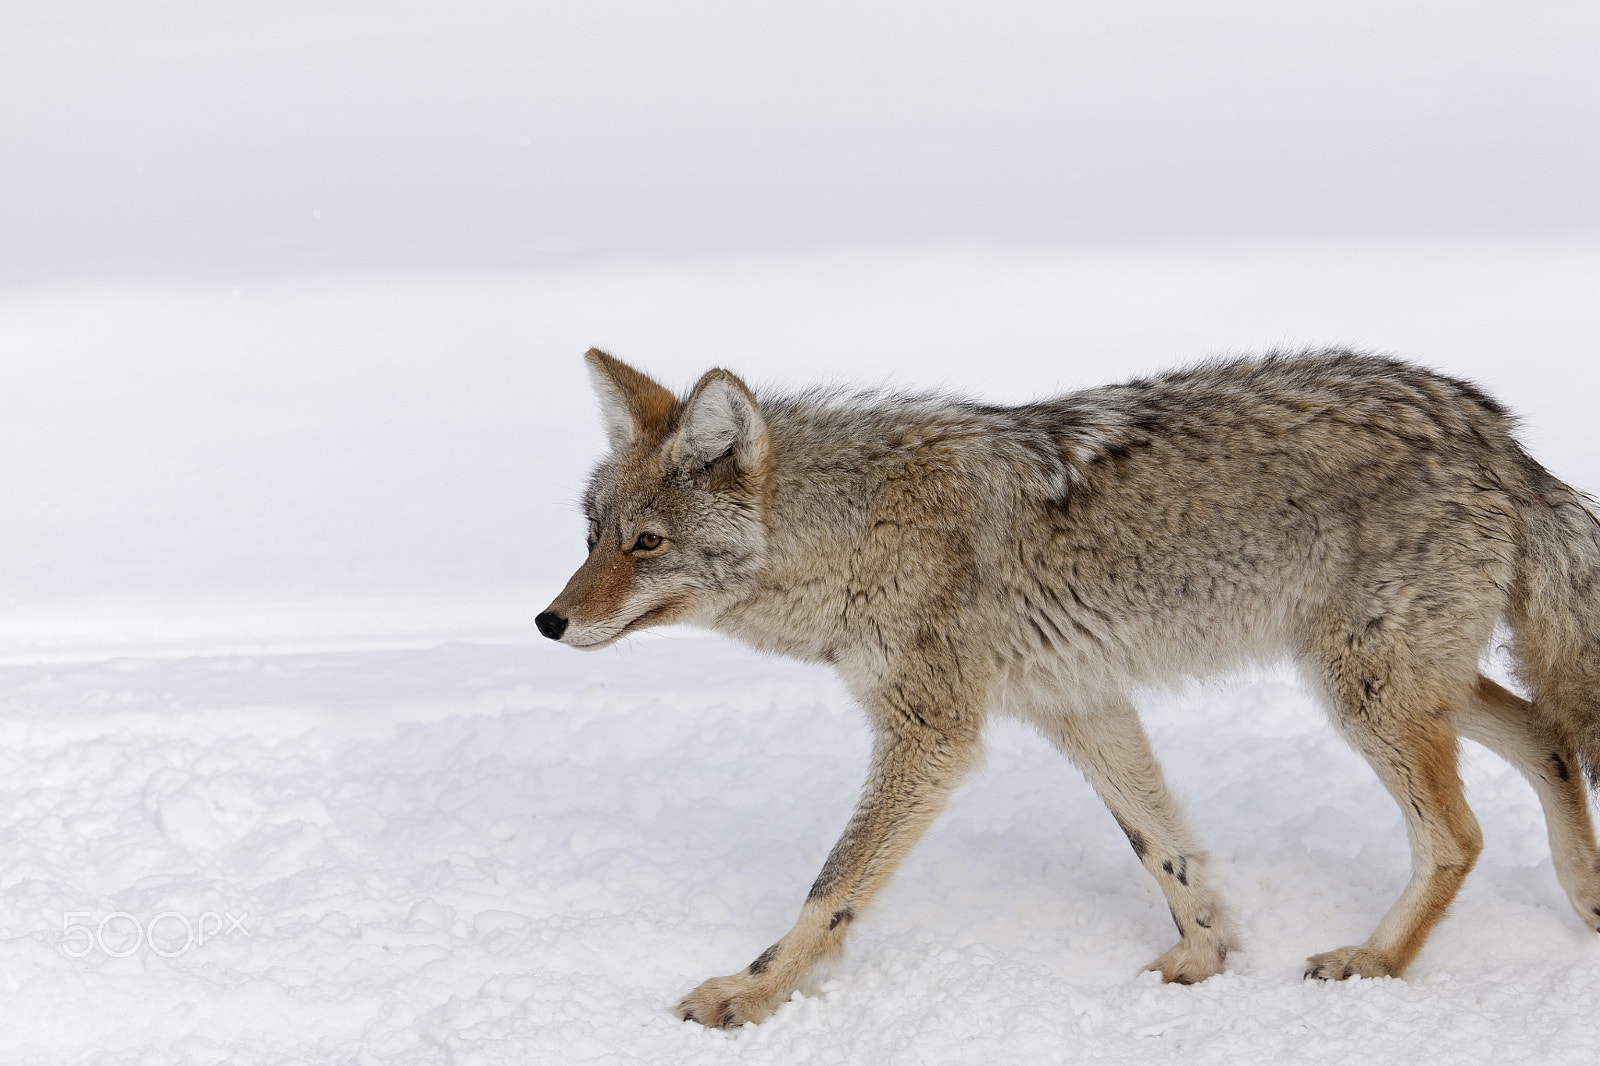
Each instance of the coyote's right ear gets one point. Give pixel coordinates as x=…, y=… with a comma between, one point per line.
x=631, y=404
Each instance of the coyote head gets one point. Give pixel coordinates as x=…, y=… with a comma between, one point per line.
x=675, y=510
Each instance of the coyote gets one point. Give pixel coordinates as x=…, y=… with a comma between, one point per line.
x=1369, y=520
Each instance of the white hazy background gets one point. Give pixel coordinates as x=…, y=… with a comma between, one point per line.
x=212, y=140
x=292, y=295
x=293, y=424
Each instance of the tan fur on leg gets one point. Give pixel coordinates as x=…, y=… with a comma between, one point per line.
x=1112, y=750
x=1416, y=761
x=1538, y=747
x=914, y=768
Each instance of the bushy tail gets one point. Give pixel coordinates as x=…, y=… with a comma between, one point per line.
x=1555, y=610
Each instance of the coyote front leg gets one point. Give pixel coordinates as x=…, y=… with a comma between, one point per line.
x=1110, y=746
x=914, y=767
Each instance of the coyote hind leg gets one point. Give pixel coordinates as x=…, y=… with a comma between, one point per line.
x=1515, y=730
x=1110, y=747
x=1411, y=746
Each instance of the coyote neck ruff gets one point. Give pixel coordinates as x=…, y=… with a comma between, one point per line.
x=1371, y=520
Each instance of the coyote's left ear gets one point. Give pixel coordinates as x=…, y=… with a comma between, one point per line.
x=631, y=403
x=720, y=420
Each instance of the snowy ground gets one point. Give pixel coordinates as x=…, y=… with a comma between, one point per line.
x=267, y=675
x=510, y=853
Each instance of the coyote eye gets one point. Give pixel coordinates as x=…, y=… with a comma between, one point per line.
x=647, y=542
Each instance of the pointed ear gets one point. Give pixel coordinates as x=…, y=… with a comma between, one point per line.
x=720, y=418
x=631, y=404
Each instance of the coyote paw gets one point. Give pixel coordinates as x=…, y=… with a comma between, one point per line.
x=1191, y=961
x=726, y=1002
x=1584, y=892
x=1349, y=962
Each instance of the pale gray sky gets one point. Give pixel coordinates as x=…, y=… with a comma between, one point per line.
x=196, y=139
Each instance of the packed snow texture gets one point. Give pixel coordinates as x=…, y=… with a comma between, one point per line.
x=486, y=854
x=289, y=778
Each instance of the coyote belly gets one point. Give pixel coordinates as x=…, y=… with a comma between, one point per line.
x=1368, y=519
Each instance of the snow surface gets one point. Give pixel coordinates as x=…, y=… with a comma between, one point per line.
x=510, y=853
x=270, y=559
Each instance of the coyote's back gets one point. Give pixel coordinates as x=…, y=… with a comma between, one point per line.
x=1372, y=520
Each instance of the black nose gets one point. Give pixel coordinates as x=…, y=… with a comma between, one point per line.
x=551, y=625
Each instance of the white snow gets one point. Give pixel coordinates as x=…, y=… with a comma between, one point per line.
x=507, y=853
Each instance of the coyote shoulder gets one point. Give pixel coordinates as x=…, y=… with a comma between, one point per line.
x=1370, y=520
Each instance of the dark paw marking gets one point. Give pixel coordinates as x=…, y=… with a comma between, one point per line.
x=826, y=879
x=845, y=916
x=1135, y=838
x=1558, y=766
x=763, y=960
x=1180, y=870
x=725, y=1014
